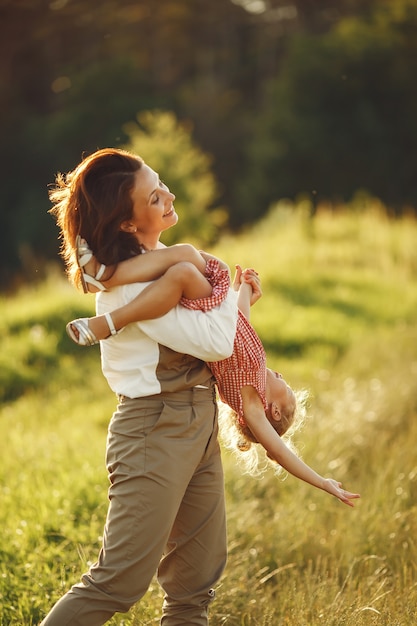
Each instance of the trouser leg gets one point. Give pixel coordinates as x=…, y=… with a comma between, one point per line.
x=196, y=551
x=154, y=448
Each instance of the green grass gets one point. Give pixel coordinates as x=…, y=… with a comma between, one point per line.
x=338, y=317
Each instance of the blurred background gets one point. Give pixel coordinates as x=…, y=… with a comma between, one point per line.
x=237, y=103
x=288, y=131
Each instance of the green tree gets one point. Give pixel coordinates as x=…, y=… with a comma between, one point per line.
x=341, y=116
x=71, y=76
x=167, y=146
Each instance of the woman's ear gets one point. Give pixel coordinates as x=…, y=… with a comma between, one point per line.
x=275, y=412
x=128, y=227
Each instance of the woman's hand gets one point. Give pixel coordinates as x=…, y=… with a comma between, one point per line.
x=335, y=489
x=248, y=284
x=251, y=277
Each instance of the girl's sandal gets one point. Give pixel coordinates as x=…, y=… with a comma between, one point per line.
x=79, y=331
x=84, y=255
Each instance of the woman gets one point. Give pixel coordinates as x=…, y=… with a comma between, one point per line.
x=166, y=510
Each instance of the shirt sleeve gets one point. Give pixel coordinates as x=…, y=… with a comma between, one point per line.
x=208, y=336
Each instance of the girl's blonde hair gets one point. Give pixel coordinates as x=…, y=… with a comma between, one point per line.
x=240, y=440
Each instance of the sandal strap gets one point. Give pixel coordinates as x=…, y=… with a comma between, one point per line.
x=84, y=255
x=100, y=272
x=92, y=281
x=85, y=337
x=110, y=323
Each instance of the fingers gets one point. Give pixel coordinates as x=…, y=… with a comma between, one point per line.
x=347, y=497
x=249, y=276
x=343, y=495
x=249, y=271
x=255, y=284
x=246, y=271
x=237, y=278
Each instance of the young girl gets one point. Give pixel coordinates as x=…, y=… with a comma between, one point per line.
x=263, y=403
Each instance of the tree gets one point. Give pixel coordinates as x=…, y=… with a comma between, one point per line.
x=341, y=116
x=167, y=146
x=270, y=88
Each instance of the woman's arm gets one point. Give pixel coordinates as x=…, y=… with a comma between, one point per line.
x=208, y=335
x=276, y=448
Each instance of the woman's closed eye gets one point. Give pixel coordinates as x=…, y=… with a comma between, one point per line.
x=156, y=197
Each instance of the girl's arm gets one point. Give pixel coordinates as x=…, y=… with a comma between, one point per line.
x=243, y=299
x=276, y=448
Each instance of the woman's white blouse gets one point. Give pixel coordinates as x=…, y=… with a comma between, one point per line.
x=131, y=358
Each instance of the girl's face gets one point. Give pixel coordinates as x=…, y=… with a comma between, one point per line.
x=279, y=395
x=153, y=209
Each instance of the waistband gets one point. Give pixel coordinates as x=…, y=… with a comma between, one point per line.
x=182, y=394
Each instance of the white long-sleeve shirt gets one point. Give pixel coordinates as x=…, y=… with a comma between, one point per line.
x=158, y=355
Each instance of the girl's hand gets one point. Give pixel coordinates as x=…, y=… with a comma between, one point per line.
x=251, y=277
x=335, y=489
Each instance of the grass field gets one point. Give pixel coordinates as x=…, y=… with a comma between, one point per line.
x=338, y=317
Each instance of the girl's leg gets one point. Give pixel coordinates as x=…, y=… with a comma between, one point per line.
x=182, y=279
x=148, y=266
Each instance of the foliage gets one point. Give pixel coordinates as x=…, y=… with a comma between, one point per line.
x=34, y=334
x=337, y=119
x=338, y=318
x=304, y=96
x=168, y=147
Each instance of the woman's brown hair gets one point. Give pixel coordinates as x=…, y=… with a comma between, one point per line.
x=92, y=201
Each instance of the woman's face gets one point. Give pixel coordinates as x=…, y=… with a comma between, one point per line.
x=153, y=209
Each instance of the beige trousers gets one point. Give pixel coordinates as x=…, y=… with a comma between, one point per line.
x=166, y=513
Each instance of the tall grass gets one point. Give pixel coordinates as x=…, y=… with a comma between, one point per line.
x=338, y=317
